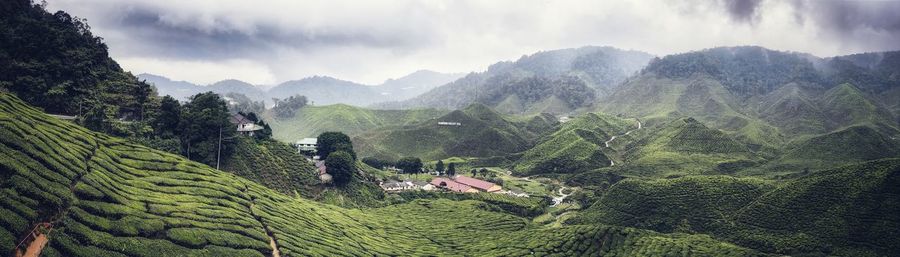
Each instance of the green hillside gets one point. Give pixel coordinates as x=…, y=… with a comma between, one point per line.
x=275, y=165
x=845, y=211
x=657, y=99
x=310, y=121
x=853, y=144
x=278, y=166
x=686, y=146
x=107, y=197
x=482, y=133
x=761, y=97
x=577, y=146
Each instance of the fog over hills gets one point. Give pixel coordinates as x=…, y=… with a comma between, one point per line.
x=321, y=90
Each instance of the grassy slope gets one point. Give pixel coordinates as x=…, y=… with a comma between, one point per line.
x=483, y=133
x=846, y=211
x=685, y=146
x=576, y=146
x=107, y=197
x=275, y=165
x=852, y=144
x=657, y=100
x=310, y=121
x=278, y=166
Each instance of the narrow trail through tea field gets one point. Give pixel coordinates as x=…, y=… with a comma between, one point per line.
x=611, y=162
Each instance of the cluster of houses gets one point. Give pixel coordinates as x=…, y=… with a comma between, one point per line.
x=459, y=184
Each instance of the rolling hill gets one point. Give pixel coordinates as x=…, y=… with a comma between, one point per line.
x=766, y=99
x=577, y=146
x=686, y=146
x=558, y=81
x=106, y=197
x=310, y=121
x=481, y=132
x=843, y=211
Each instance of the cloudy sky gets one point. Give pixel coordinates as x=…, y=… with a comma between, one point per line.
x=268, y=42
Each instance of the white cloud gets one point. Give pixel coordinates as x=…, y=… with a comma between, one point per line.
x=369, y=41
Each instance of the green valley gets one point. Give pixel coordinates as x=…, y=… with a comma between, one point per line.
x=296, y=128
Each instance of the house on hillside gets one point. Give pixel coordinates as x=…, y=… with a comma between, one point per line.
x=451, y=185
x=478, y=184
x=307, y=145
x=245, y=126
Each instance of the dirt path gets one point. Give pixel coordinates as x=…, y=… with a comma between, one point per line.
x=557, y=200
x=606, y=143
x=275, y=252
x=34, y=249
x=272, y=243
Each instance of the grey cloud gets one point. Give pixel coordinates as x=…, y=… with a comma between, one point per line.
x=368, y=41
x=742, y=10
x=223, y=38
x=845, y=16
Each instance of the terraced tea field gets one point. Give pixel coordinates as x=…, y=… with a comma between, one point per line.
x=107, y=197
x=847, y=211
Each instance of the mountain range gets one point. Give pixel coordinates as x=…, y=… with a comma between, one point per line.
x=320, y=90
x=558, y=81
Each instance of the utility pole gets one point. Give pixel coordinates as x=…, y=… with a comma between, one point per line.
x=219, y=152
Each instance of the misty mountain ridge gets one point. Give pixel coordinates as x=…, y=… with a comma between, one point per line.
x=556, y=81
x=321, y=90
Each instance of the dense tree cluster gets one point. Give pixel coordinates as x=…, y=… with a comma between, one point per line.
x=243, y=103
x=341, y=167
x=745, y=71
x=285, y=108
x=377, y=163
x=336, y=148
x=54, y=62
x=533, y=89
x=330, y=142
x=410, y=165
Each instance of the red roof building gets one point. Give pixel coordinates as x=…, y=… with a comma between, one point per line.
x=452, y=185
x=478, y=184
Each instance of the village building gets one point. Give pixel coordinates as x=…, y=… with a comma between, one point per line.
x=323, y=172
x=516, y=193
x=478, y=184
x=307, y=145
x=451, y=185
x=424, y=185
x=245, y=126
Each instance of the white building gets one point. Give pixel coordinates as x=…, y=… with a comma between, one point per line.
x=307, y=145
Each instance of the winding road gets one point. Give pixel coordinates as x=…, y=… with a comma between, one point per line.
x=557, y=200
x=611, y=162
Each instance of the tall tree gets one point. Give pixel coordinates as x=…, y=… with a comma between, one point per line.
x=165, y=121
x=340, y=165
x=204, y=125
x=329, y=142
x=410, y=165
x=439, y=167
x=451, y=169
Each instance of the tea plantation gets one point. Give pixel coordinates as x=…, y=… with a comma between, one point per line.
x=847, y=211
x=107, y=197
